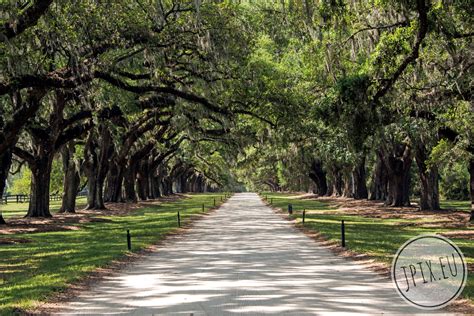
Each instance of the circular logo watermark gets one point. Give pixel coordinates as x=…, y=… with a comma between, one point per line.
x=429, y=271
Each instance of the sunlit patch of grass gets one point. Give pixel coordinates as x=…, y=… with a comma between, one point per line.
x=31, y=272
x=380, y=238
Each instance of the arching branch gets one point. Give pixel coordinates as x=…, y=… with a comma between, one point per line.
x=26, y=19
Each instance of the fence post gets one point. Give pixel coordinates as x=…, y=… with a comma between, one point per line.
x=343, y=234
x=304, y=215
x=203, y=208
x=290, y=209
x=214, y=201
x=179, y=220
x=129, y=240
x=271, y=201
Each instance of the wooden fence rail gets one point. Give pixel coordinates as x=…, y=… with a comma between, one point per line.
x=25, y=198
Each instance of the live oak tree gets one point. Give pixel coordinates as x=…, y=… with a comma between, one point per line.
x=351, y=98
x=44, y=138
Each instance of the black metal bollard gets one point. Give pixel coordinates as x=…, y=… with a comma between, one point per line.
x=304, y=215
x=271, y=201
x=129, y=240
x=203, y=208
x=179, y=220
x=290, y=209
x=214, y=201
x=343, y=234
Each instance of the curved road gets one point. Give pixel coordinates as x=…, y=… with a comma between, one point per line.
x=242, y=260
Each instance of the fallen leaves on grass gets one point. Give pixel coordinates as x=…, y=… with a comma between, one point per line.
x=67, y=221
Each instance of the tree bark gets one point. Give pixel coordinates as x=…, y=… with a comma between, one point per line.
x=5, y=163
x=429, y=198
x=47, y=139
x=347, y=188
x=167, y=184
x=318, y=175
x=337, y=183
x=106, y=149
x=471, y=187
x=378, y=189
x=359, y=177
x=155, y=184
x=398, y=165
x=330, y=191
x=143, y=180
x=40, y=180
x=97, y=167
x=72, y=179
x=92, y=188
x=130, y=176
x=114, y=183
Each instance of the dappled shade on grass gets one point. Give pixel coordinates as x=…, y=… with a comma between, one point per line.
x=20, y=209
x=30, y=272
x=378, y=237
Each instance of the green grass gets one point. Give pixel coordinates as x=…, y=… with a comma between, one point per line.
x=20, y=209
x=379, y=238
x=31, y=272
x=456, y=205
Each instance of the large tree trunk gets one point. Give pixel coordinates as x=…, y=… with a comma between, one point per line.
x=92, y=189
x=378, y=188
x=398, y=165
x=40, y=180
x=184, y=183
x=130, y=176
x=95, y=186
x=91, y=170
x=429, y=198
x=114, y=183
x=337, y=184
x=330, y=191
x=359, y=177
x=471, y=187
x=167, y=184
x=347, y=190
x=97, y=166
x=318, y=175
x=106, y=149
x=155, y=182
x=5, y=162
x=143, y=180
x=72, y=179
x=202, y=187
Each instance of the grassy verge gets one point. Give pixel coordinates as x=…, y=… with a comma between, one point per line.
x=456, y=205
x=379, y=238
x=32, y=272
x=20, y=209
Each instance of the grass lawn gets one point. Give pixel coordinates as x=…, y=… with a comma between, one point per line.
x=31, y=272
x=20, y=209
x=380, y=238
x=456, y=205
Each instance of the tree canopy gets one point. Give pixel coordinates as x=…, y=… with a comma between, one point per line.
x=137, y=99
